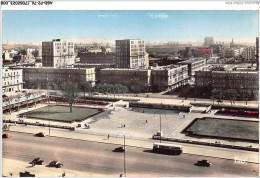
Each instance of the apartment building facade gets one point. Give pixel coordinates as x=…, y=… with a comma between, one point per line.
x=130, y=54
x=12, y=80
x=227, y=79
x=168, y=77
x=249, y=54
x=58, y=53
x=53, y=78
x=137, y=80
x=194, y=64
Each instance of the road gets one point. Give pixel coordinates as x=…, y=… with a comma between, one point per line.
x=97, y=157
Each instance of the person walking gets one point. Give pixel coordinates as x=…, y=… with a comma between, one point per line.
x=108, y=136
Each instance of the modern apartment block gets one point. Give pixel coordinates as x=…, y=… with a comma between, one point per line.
x=53, y=78
x=249, y=54
x=227, y=79
x=194, y=64
x=12, y=80
x=58, y=53
x=155, y=79
x=137, y=80
x=130, y=54
x=169, y=77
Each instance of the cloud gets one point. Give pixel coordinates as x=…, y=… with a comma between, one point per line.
x=160, y=16
x=105, y=16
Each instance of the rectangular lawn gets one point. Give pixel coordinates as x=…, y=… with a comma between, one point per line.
x=234, y=129
x=62, y=113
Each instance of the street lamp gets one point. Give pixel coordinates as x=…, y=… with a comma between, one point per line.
x=124, y=134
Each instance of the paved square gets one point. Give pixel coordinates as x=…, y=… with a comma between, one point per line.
x=225, y=128
x=62, y=113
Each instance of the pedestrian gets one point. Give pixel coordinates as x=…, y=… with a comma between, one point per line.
x=124, y=125
x=146, y=121
x=108, y=136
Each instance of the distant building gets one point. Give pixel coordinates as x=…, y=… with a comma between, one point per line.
x=53, y=78
x=194, y=64
x=12, y=80
x=208, y=41
x=57, y=53
x=130, y=54
x=249, y=54
x=227, y=80
x=137, y=80
x=232, y=44
x=97, y=58
x=6, y=55
x=231, y=52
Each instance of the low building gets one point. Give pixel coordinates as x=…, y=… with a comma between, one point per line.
x=194, y=64
x=227, y=80
x=168, y=77
x=231, y=52
x=12, y=80
x=137, y=80
x=97, y=67
x=53, y=78
x=97, y=58
x=155, y=79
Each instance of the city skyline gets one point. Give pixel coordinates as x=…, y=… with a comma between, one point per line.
x=152, y=26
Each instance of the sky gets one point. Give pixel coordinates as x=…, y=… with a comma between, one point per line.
x=24, y=26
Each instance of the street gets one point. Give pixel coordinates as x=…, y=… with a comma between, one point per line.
x=97, y=157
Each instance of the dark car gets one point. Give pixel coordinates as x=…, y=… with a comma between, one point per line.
x=40, y=134
x=55, y=164
x=204, y=163
x=5, y=135
x=119, y=149
x=37, y=161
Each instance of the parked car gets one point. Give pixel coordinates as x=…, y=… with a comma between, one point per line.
x=204, y=163
x=56, y=164
x=40, y=134
x=119, y=149
x=37, y=161
x=5, y=135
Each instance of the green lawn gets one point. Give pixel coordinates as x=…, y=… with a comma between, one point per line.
x=226, y=128
x=61, y=113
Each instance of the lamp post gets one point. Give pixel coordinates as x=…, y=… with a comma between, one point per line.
x=124, y=134
x=160, y=128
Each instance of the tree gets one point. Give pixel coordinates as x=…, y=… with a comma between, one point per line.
x=245, y=94
x=85, y=87
x=69, y=92
x=214, y=94
x=256, y=94
x=231, y=95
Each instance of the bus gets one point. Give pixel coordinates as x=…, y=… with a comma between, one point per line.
x=165, y=148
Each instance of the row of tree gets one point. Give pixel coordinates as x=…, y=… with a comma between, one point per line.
x=232, y=94
x=103, y=88
x=70, y=90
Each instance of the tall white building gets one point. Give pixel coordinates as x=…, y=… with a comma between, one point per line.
x=58, y=53
x=130, y=54
x=208, y=41
x=12, y=80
